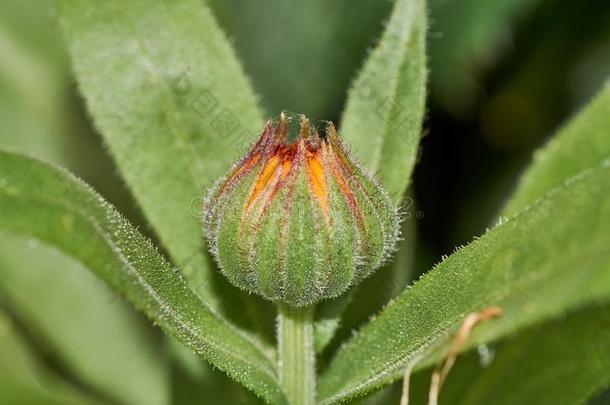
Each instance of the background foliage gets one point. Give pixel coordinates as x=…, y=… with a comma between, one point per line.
x=126, y=96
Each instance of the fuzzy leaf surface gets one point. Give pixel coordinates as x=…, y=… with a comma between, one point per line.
x=581, y=144
x=175, y=111
x=550, y=258
x=562, y=362
x=385, y=106
x=40, y=201
x=82, y=323
x=382, y=122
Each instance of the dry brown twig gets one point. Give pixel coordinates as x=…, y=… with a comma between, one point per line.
x=441, y=372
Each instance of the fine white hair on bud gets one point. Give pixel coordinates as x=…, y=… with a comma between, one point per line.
x=297, y=220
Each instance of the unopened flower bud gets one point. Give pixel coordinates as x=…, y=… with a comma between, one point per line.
x=297, y=220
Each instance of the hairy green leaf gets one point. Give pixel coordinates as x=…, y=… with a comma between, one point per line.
x=383, y=116
x=37, y=200
x=382, y=124
x=82, y=323
x=549, y=258
x=175, y=111
x=581, y=144
x=74, y=317
x=558, y=361
x=561, y=362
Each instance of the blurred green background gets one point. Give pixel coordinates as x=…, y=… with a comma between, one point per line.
x=504, y=75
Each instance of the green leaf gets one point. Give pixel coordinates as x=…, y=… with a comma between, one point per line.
x=581, y=144
x=561, y=362
x=75, y=319
x=37, y=200
x=33, y=78
x=558, y=361
x=82, y=323
x=383, y=116
x=174, y=109
x=552, y=257
x=382, y=124
x=24, y=379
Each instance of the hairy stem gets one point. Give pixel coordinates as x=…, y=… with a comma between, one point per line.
x=296, y=354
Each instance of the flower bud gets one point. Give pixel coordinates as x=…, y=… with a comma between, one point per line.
x=297, y=220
